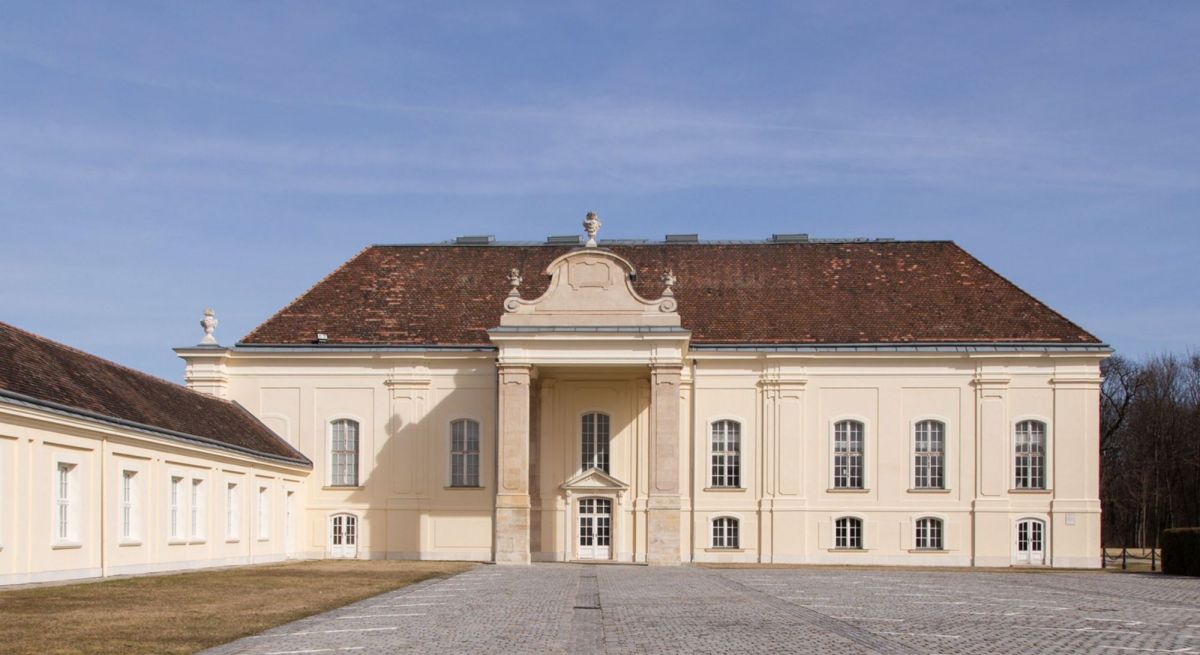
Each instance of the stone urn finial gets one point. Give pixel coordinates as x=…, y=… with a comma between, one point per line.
x=669, y=280
x=514, y=279
x=591, y=225
x=209, y=323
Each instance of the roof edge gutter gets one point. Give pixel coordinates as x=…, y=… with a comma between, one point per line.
x=935, y=347
x=15, y=398
x=357, y=347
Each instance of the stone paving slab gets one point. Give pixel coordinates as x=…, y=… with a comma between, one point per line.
x=565, y=608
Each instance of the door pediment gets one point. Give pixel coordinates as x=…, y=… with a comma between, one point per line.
x=594, y=480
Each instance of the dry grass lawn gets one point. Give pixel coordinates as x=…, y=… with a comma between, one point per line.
x=187, y=612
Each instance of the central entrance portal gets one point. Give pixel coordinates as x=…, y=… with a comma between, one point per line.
x=595, y=528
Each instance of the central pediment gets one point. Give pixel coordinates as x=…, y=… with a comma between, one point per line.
x=591, y=287
x=594, y=480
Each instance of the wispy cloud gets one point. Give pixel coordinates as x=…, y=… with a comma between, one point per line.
x=584, y=145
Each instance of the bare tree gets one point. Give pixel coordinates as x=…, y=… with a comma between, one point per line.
x=1149, y=447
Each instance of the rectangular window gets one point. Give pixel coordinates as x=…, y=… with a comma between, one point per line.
x=198, y=514
x=174, y=526
x=128, y=504
x=464, y=453
x=1030, y=463
x=848, y=455
x=233, y=518
x=264, y=513
x=726, y=454
x=65, y=527
x=929, y=458
x=343, y=453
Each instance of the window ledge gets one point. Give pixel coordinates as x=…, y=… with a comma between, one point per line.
x=464, y=487
x=129, y=542
x=928, y=551
x=176, y=541
x=263, y=539
x=1030, y=491
x=724, y=489
x=66, y=545
x=847, y=490
x=341, y=487
x=233, y=540
x=849, y=550
x=928, y=490
x=724, y=550
x=194, y=542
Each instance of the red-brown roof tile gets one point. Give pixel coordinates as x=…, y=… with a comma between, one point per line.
x=736, y=293
x=42, y=370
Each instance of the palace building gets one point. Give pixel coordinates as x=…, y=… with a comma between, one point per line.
x=791, y=400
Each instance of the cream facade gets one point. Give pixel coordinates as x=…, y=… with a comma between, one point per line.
x=85, y=497
x=592, y=428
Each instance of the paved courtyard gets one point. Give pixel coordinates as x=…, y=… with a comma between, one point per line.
x=562, y=608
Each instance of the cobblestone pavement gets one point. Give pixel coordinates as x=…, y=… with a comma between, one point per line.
x=564, y=608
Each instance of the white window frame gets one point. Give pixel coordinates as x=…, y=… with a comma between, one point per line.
x=464, y=480
x=263, y=501
x=862, y=455
x=198, y=511
x=607, y=443
x=725, y=480
x=1045, y=455
x=725, y=533
x=935, y=527
x=175, y=504
x=331, y=473
x=131, y=506
x=846, y=541
x=233, y=510
x=916, y=481
x=67, y=498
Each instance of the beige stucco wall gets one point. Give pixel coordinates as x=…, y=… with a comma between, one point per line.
x=404, y=501
x=786, y=404
x=32, y=444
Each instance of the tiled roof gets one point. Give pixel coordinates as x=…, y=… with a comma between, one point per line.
x=44, y=372
x=728, y=293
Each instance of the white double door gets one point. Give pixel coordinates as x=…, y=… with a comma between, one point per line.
x=595, y=528
x=1031, y=542
x=343, y=536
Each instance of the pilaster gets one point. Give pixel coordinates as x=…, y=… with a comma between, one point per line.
x=663, y=506
x=512, y=491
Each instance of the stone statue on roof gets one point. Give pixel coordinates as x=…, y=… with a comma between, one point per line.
x=591, y=225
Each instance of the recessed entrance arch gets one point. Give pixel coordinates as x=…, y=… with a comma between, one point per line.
x=343, y=536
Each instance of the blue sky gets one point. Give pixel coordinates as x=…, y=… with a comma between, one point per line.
x=159, y=158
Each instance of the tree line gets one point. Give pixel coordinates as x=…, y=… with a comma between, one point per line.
x=1149, y=447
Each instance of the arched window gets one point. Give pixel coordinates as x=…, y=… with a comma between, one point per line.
x=343, y=453
x=725, y=532
x=1030, y=455
x=929, y=534
x=848, y=533
x=929, y=458
x=464, y=453
x=848, y=455
x=594, y=433
x=726, y=454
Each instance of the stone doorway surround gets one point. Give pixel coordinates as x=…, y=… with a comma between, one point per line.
x=594, y=483
x=589, y=316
